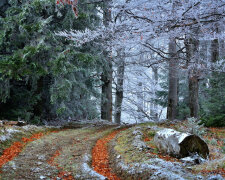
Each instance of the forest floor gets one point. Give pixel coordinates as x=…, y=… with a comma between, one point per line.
x=100, y=151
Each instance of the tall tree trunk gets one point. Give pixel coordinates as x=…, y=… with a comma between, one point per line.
x=214, y=50
x=173, y=81
x=192, y=53
x=106, y=99
x=119, y=91
x=215, y=55
x=43, y=106
x=193, y=95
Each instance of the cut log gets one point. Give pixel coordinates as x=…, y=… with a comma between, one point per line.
x=179, y=144
x=9, y=123
x=12, y=123
x=21, y=123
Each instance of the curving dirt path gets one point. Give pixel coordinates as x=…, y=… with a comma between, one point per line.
x=83, y=154
x=64, y=155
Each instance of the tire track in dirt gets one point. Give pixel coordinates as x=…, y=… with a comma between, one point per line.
x=100, y=156
x=57, y=155
x=10, y=153
x=67, y=175
x=26, y=161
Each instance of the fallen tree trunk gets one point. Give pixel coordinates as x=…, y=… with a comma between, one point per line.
x=179, y=144
x=12, y=123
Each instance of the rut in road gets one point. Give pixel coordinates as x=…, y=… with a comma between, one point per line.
x=100, y=157
x=55, y=155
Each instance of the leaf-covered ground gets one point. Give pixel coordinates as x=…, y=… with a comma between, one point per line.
x=97, y=151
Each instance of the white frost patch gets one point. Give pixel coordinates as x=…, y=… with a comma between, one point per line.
x=42, y=177
x=31, y=127
x=137, y=142
x=4, y=138
x=88, y=171
x=160, y=169
x=41, y=157
x=8, y=134
x=165, y=175
x=215, y=177
x=10, y=131
x=12, y=164
x=166, y=133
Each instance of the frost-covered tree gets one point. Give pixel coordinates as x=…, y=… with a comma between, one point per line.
x=147, y=22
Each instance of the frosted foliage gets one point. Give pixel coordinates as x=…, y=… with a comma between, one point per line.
x=147, y=25
x=142, y=30
x=137, y=22
x=194, y=127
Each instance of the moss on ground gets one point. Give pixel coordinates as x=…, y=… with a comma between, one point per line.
x=125, y=148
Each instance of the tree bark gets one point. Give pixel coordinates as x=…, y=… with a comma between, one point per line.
x=106, y=99
x=119, y=91
x=193, y=96
x=214, y=50
x=43, y=106
x=179, y=144
x=173, y=82
x=192, y=54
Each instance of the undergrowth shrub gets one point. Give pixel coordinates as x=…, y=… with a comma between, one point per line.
x=223, y=149
x=195, y=127
x=214, y=121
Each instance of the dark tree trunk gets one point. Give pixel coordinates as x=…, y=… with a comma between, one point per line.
x=173, y=81
x=106, y=99
x=38, y=108
x=214, y=50
x=43, y=106
x=192, y=54
x=119, y=91
x=193, y=96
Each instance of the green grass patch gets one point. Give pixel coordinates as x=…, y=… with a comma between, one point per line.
x=127, y=151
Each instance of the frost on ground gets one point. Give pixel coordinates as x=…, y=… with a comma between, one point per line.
x=137, y=141
x=7, y=133
x=87, y=171
x=79, y=123
x=153, y=168
x=156, y=168
x=131, y=159
x=75, y=149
